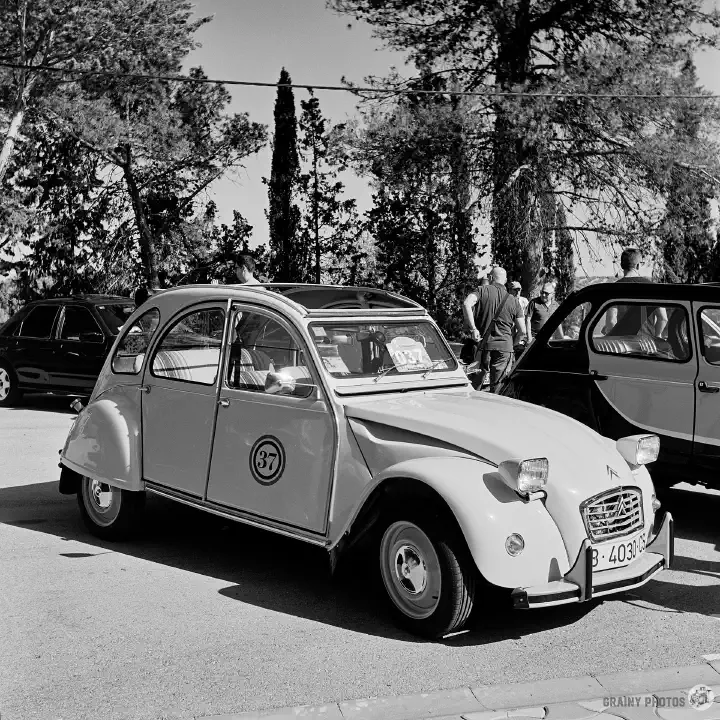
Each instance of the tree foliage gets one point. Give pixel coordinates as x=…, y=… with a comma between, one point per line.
x=599, y=162
x=154, y=146
x=330, y=227
x=686, y=236
x=416, y=154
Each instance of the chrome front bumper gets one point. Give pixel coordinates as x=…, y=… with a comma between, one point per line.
x=579, y=585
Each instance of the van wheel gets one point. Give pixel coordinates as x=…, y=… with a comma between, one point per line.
x=109, y=512
x=428, y=576
x=10, y=393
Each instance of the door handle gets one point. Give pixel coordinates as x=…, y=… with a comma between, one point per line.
x=595, y=375
x=224, y=402
x=144, y=388
x=704, y=387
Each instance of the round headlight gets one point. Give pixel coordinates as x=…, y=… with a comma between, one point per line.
x=514, y=544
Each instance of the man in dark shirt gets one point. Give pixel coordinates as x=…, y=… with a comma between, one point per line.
x=539, y=310
x=497, y=355
x=630, y=262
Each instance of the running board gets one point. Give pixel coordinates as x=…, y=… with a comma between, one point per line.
x=236, y=515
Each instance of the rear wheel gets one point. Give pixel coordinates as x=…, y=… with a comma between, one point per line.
x=9, y=391
x=428, y=576
x=109, y=512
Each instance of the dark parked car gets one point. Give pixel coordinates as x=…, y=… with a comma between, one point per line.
x=59, y=345
x=633, y=358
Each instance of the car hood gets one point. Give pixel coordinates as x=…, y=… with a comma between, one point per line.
x=490, y=426
x=497, y=428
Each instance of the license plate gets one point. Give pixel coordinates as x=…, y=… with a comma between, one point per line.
x=618, y=553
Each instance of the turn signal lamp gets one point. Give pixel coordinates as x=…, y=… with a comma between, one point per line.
x=526, y=477
x=639, y=449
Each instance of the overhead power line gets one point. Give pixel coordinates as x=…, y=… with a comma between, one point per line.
x=486, y=92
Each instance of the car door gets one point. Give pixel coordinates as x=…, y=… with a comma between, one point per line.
x=273, y=451
x=82, y=347
x=179, y=400
x=706, y=446
x=645, y=368
x=33, y=350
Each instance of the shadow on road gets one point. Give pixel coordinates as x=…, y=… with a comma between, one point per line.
x=287, y=576
x=39, y=402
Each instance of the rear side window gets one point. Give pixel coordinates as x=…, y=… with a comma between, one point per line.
x=39, y=323
x=79, y=321
x=642, y=330
x=12, y=326
x=130, y=352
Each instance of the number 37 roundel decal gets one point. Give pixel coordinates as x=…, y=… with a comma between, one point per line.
x=267, y=460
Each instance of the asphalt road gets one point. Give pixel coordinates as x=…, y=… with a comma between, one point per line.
x=202, y=617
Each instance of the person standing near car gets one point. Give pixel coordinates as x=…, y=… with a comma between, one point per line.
x=490, y=314
x=539, y=309
x=244, y=269
x=515, y=288
x=630, y=263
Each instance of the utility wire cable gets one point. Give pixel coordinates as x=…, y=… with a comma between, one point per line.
x=489, y=92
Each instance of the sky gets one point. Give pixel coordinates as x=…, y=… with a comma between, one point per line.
x=254, y=39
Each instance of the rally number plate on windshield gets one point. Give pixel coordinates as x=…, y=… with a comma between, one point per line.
x=618, y=553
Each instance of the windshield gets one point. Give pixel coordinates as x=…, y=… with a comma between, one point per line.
x=350, y=350
x=115, y=316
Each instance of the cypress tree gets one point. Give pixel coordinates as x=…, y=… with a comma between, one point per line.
x=283, y=214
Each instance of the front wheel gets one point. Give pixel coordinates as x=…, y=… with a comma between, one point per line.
x=108, y=512
x=428, y=577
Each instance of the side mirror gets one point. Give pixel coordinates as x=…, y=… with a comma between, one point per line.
x=92, y=337
x=285, y=384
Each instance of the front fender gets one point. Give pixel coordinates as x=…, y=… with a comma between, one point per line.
x=104, y=443
x=487, y=511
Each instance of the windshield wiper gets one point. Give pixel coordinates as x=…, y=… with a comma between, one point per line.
x=433, y=366
x=388, y=369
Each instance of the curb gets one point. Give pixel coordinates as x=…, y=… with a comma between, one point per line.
x=494, y=702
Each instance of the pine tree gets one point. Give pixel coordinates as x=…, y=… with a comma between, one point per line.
x=685, y=237
x=283, y=214
x=329, y=225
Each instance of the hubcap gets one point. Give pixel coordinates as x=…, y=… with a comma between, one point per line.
x=410, y=570
x=101, y=501
x=4, y=383
x=101, y=495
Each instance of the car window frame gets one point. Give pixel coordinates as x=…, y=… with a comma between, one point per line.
x=605, y=308
x=125, y=332
x=53, y=328
x=701, y=335
x=295, y=334
x=61, y=324
x=173, y=322
x=574, y=343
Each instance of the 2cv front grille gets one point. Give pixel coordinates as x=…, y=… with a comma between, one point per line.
x=613, y=514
